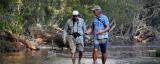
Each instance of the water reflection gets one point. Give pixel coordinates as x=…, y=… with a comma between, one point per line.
x=25, y=57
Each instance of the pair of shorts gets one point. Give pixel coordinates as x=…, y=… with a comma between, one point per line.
x=102, y=43
x=75, y=44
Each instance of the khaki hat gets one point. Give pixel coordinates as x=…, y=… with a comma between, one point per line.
x=96, y=7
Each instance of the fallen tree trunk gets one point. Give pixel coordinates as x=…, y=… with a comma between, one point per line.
x=19, y=41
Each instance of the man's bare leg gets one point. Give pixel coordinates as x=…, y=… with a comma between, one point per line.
x=80, y=57
x=95, y=56
x=73, y=58
x=104, y=57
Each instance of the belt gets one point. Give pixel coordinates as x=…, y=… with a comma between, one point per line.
x=72, y=34
x=102, y=38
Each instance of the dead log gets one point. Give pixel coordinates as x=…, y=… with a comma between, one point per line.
x=19, y=41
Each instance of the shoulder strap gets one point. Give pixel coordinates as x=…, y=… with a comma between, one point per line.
x=93, y=26
x=101, y=22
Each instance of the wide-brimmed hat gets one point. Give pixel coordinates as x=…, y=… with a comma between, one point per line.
x=97, y=7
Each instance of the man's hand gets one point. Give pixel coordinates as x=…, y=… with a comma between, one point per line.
x=110, y=31
x=103, y=30
x=100, y=32
x=88, y=31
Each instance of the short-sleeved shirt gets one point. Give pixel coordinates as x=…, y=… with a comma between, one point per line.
x=98, y=24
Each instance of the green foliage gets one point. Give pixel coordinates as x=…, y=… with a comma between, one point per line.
x=10, y=20
x=58, y=11
x=14, y=26
x=122, y=11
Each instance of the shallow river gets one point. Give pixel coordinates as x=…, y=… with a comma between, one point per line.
x=50, y=57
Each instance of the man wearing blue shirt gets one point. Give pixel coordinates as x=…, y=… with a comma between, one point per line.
x=100, y=28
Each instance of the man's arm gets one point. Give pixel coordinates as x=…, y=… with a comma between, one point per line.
x=106, y=29
x=89, y=30
x=65, y=32
x=84, y=27
x=107, y=25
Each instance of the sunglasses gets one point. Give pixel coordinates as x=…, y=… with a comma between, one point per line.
x=96, y=10
x=75, y=15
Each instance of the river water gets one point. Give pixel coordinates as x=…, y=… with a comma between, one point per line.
x=45, y=56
